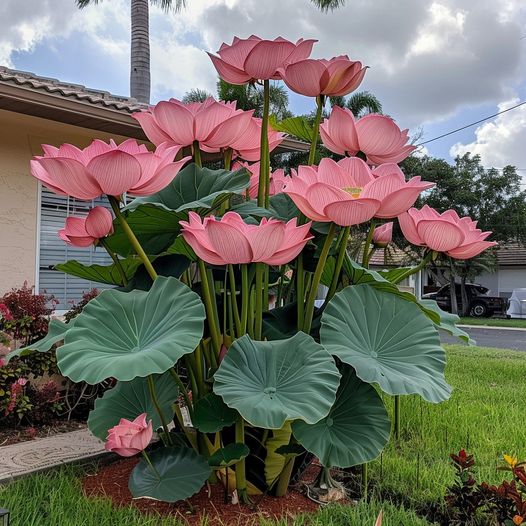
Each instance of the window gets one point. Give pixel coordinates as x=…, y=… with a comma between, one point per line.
x=53, y=212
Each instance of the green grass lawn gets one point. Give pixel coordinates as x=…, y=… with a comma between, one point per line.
x=494, y=322
x=485, y=415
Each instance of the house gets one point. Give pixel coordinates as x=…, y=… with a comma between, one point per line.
x=36, y=110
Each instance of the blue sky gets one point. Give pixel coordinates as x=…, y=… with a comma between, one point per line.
x=432, y=63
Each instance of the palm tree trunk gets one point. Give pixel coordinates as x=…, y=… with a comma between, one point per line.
x=140, y=51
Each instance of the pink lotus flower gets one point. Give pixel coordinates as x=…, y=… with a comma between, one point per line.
x=251, y=59
x=103, y=168
x=213, y=124
x=85, y=231
x=383, y=235
x=457, y=236
x=128, y=438
x=278, y=179
x=229, y=240
x=335, y=77
x=377, y=136
x=248, y=146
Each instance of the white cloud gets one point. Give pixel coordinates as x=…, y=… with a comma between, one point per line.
x=499, y=142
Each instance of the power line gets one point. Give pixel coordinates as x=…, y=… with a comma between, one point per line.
x=472, y=124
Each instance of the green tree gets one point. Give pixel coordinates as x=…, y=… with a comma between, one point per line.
x=328, y=5
x=360, y=103
x=140, y=42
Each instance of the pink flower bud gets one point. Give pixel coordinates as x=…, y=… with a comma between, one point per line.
x=128, y=438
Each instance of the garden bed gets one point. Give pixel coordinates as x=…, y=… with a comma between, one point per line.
x=15, y=435
x=111, y=481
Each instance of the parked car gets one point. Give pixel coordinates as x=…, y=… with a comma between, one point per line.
x=480, y=304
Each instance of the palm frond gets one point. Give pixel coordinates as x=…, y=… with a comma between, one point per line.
x=170, y=5
x=328, y=5
x=196, y=95
x=81, y=4
x=363, y=102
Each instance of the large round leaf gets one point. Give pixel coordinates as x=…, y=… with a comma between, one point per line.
x=177, y=474
x=387, y=340
x=355, y=430
x=271, y=382
x=125, y=335
x=211, y=414
x=131, y=399
x=228, y=455
x=109, y=274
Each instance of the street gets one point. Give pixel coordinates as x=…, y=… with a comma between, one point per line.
x=485, y=337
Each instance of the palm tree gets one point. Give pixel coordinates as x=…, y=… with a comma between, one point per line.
x=140, y=42
x=360, y=103
x=247, y=97
x=328, y=5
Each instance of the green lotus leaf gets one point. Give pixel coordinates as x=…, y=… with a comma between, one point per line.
x=356, y=429
x=196, y=187
x=299, y=127
x=448, y=321
x=131, y=399
x=211, y=414
x=177, y=474
x=56, y=332
x=228, y=455
x=393, y=274
x=271, y=382
x=181, y=247
x=128, y=334
x=156, y=229
x=387, y=340
x=109, y=274
x=291, y=450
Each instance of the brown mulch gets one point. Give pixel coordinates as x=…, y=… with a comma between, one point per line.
x=14, y=435
x=112, y=481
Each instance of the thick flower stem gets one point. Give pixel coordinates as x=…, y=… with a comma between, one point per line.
x=182, y=391
x=228, y=158
x=264, y=166
x=309, y=311
x=366, y=254
x=245, y=298
x=241, y=481
x=284, y=478
x=425, y=260
x=197, y=154
x=132, y=238
x=320, y=102
x=235, y=308
x=300, y=290
x=210, y=312
x=260, y=273
x=117, y=261
x=153, y=395
x=339, y=263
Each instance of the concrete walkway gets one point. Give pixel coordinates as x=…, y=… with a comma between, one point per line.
x=32, y=456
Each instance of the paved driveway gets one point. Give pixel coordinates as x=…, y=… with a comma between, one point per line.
x=500, y=338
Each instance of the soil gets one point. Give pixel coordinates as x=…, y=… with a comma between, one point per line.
x=24, y=433
x=112, y=481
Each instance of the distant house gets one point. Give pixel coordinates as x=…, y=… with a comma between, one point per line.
x=36, y=110
x=509, y=275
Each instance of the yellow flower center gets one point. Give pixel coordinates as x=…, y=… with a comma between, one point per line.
x=354, y=192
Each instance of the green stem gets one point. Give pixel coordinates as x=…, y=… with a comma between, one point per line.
x=116, y=260
x=316, y=279
x=264, y=166
x=339, y=263
x=228, y=158
x=245, y=298
x=155, y=400
x=200, y=370
x=260, y=272
x=235, y=307
x=320, y=102
x=300, y=290
x=189, y=363
x=397, y=417
x=241, y=481
x=197, y=154
x=366, y=255
x=279, y=295
x=413, y=270
x=365, y=480
x=132, y=238
x=210, y=312
x=182, y=391
x=149, y=462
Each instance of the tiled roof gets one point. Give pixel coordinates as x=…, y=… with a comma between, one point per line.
x=512, y=255
x=67, y=90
